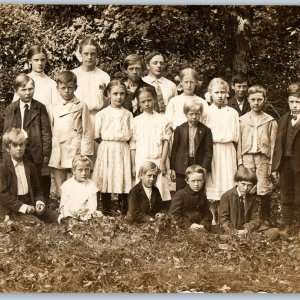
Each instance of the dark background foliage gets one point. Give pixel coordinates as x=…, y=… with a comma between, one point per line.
x=262, y=41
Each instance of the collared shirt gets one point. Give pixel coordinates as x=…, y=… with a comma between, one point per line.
x=240, y=195
x=240, y=104
x=192, y=133
x=21, y=177
x=294, y=121
x=148, y=192
x=22, y=109
x=168, y=87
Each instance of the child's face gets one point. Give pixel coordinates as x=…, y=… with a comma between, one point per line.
x=193, y=116
x=134, y=72
x=245, y=187
x=156, y=66
x=188, y=84
x=146, y=102
x=195, y=181
x=256, y=102
x=26, y=92
x=38, y=62
x=82, y=171
x=89, y=56
x=66, y=90
x=17, y=150
x=117, y=96
x=149, y=178
x=240, y=89
x=294, y=104
x=218, y=94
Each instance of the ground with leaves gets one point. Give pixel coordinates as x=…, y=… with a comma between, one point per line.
x=109, y=255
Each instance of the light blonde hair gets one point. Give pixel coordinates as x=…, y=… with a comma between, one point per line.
x=192, y=104
x=257, y=89
x=146, y=166
x=218, y=81
x=13, y=135
x=81, y=158
x=195, y=169
x=188, y=71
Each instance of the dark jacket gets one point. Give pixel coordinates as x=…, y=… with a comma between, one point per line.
x=140, y=208
x=234, y=104
x=180, y=148
x=131, y=96
x=38, y=129
x=9, y=202
x=188, y=207
x=228, y=211
x=280, y=142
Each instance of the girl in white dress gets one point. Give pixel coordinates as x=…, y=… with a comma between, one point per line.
x=224, y=124
x=174, y=111
x=150, y=139
x=79, y=193
x=91, y=80
x=113, y=129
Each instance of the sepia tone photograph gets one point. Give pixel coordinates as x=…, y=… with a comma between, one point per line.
x=149, y=149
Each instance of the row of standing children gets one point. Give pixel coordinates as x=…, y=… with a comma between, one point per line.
x=114, y=152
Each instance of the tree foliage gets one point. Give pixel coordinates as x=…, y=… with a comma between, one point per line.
x=216, y=40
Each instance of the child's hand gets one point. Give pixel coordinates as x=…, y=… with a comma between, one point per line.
x=275, y=176
x=39, y=208
x=30, y=209
x=160, y=216
x=196, y=226
x=163, y=168
x=173, y=175
x=242, y=232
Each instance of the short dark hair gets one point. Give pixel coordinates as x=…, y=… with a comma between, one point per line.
x=133, y=59
x=245, y=174
x=21, y=81
x=151, y=55
x=294, y=89
x=239, y=78
x=66, y=77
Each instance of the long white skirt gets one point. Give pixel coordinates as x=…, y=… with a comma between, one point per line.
x=112, y=171
x=223, y=168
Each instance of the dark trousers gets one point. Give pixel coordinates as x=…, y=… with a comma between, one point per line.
x=180, y=182
x=107, y=203
x=290, y=190
x=45, y=182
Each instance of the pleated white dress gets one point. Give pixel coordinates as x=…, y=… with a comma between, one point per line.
x=224, y=124
x=112, y=171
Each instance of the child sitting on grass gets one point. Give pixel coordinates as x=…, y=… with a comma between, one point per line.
x=20, y=190
x=189, y=207
x=238, y=209
x=144, y=199
x=79, y=193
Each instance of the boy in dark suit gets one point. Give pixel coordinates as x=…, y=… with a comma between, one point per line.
x=144, y=199
x=238, y=211
x=31, y=116
x=286, y=157
x=20, y=191
x=189, y=207
x=239, y=101
x=192, y=145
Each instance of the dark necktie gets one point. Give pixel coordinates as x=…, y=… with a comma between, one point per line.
x=241, y=212
x=25, y=119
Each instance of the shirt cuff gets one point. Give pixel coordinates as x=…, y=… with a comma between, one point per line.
x=23, y=208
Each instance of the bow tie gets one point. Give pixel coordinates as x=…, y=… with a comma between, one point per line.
x=294, y=117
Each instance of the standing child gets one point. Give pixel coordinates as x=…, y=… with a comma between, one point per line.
x=165, y=88
x=113, y=129
x=192, y=144
x=72, y=129
x=144, y=199
x=286, y=157
x=150, y=139
x=189, y=207
x=224, y=124
x=31, y=116
x=79, y=193
x=238, y=209
x=174, y=111
x=239, y=100
x=256, y=144
x=20, y=190
x=91, y=80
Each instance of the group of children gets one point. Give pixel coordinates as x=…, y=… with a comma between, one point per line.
x=135, y=136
